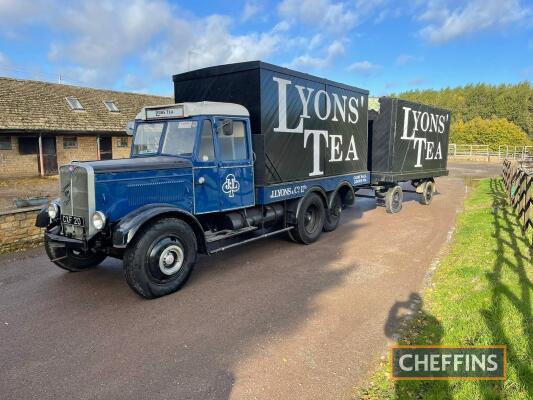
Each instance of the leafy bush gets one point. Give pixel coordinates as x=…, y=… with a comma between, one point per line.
x=493, y=132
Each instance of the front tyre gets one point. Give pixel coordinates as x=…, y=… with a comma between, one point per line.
x=161, y=258
x=70, y=259
x=428, y=189
x=394, y=199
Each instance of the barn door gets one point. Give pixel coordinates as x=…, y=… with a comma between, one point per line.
x=49, y=156
x=106, y=148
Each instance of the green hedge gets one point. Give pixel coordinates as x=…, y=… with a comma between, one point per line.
x=493, y=132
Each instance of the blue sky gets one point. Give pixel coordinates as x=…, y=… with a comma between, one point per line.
x=381, y=45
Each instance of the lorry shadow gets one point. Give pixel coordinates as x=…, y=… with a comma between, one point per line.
x=188, y=345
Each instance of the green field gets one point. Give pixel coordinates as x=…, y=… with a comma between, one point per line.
x=481, y=294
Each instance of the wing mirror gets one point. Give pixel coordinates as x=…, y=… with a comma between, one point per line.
x=130, y=127
x=227, y=127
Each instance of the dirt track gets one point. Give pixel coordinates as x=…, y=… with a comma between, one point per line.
x=271, y=320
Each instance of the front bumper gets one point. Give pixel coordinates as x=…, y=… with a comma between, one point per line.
x=58, y=240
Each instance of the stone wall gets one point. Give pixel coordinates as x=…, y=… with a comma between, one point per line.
x=15, y=165
x=12, y=164
x=87, y=150
x=18, y=230
x=121, y=152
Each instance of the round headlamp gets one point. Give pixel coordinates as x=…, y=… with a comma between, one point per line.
x=53, y=210
x=98, y=220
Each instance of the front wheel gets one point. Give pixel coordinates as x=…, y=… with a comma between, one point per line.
x=428, y=190
x=70, y=259
x=394, y=199
x=161, y=258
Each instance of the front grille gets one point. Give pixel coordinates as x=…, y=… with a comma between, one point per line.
x=76, y=191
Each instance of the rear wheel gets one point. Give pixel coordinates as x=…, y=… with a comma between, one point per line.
x=333, y=214
x=161, y=258
x=310, y=220
x=70, y=259
x=394, y=199
x=428, y=190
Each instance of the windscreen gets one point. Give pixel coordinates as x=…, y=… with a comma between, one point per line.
x=179, y=138
x=147, y=138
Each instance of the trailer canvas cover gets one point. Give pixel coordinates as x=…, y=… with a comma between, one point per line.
x=408, y=140
x=303, y=127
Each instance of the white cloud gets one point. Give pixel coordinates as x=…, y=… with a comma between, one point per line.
x=334, y=50
x=335, y=17
x=250, y=10
x=477, y=15
x=207, y=42
x=404, y=59
x=102, y=33
x=364, y=67
x=97, y=38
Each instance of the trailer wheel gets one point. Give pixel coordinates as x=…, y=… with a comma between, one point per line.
x=72, y=260
x=427, y=193
x=161, y=258
x=333, y=214
x=393, y=199
x=310, y=220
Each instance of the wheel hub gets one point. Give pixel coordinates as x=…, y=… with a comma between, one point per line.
x=171, y=259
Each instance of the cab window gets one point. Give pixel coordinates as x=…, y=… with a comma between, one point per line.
x=234, y=147
x=179, y=138
x=206, y=150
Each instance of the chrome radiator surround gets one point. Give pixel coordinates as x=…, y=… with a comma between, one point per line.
x=76, y=191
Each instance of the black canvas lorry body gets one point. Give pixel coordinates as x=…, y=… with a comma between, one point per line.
x=407, y=141
x=303, y=127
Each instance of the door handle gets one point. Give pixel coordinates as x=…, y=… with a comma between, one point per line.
x=201, y=180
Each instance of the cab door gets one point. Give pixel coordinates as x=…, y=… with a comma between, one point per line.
x=235, y=165
x=205, y=171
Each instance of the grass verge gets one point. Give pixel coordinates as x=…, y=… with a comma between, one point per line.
x=481, y=294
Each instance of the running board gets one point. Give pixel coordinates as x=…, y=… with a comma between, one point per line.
x=250, y=240
x=227, y=233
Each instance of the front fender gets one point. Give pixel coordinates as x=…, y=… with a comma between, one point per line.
x=124, y=231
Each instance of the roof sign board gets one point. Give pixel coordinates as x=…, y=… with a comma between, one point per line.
x=165, y=112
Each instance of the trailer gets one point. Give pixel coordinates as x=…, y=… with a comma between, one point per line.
x=408, y=141
x=247, y=151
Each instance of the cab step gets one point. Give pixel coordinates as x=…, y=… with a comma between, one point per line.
x=227, y=233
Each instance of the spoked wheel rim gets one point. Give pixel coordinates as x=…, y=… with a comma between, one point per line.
x=165, y=259
x=396, y=200
x=311, y=219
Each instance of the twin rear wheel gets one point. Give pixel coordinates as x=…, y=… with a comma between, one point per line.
x=313, y=218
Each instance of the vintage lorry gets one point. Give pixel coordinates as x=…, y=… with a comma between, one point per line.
x=247, y=151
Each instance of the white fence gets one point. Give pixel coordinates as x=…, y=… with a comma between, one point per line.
x=482, y=152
